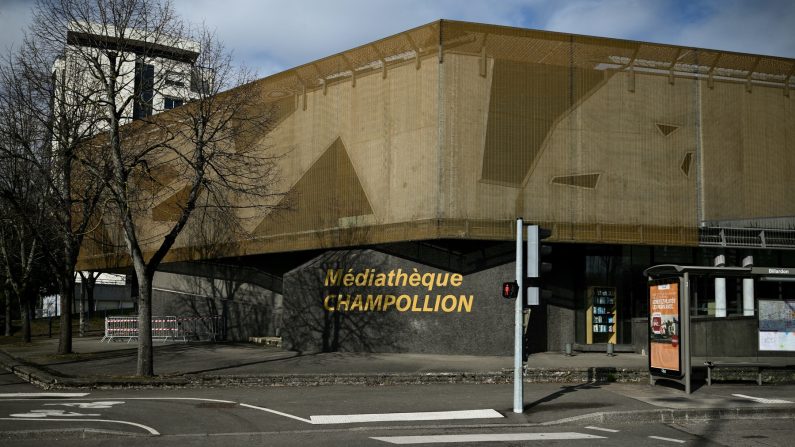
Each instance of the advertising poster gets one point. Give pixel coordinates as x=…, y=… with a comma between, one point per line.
x=777, y=325
x=664, y=328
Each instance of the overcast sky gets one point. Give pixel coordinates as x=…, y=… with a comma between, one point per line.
x=274, y=35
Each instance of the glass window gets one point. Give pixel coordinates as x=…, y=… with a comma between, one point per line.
x=170, y=103
x=144, y=89
x=175, y=79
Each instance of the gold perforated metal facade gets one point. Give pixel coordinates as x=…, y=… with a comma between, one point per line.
x=452, y=130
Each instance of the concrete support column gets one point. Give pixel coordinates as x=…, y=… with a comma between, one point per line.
x=720, y=289
x=748, y=289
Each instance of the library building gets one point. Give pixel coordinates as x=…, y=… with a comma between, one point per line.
x=408, y=160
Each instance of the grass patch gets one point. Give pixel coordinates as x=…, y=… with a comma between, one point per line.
x=11, y=341
x=74, y=356
x=40, y=327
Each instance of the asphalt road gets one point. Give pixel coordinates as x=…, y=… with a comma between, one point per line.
x=357, y=415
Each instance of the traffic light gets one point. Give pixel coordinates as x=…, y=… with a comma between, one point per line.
x=536, y=266
x=510, y=289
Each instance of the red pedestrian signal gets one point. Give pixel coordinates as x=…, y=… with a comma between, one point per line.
x=510, y=289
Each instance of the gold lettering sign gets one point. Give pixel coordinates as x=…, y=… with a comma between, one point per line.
x=347, y=302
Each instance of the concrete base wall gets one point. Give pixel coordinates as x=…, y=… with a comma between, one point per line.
x=247, y=310
x=729, y=338
x=457, y=315
x=561, y=327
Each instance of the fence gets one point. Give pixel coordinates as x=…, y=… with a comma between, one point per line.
x=121, y=328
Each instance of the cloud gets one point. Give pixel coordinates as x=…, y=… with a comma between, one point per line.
x=630, y=19
x=764, y=27
x=760, y=27
x=274, y=35
x=286, y=34
x=14, y=17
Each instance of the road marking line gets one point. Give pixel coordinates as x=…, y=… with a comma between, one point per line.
x=609, y=430
x=182, y=398
x=44, y=413
x=100, y=405
x=762, y=400
x=393, y=417
x=660, y=438
x=3, y=395
x=145, y=427
x=201, y=399
x=277, y=412
x=496, y=437
x=254, y=407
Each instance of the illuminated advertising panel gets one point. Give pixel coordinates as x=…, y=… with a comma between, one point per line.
x=777, y=325
x=665, y=357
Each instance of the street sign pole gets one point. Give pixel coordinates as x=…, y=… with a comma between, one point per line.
x=518, y=394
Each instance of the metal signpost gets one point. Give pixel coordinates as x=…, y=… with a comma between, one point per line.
x=529, y=274
x=525, y=297
x=518, y=393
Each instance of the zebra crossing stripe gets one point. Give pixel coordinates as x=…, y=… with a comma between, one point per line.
x=494, y=437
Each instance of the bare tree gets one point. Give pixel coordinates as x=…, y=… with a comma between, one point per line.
x=4, y=292
x=215, y=176
x=24, y=218
x=20, y=257
x=167, y=167
x=87, y=282
x=45, y=123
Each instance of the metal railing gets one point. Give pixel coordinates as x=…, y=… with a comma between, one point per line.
x=746, y=238
x=199, y=328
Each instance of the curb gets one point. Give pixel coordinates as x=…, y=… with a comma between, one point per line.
x=531, y=375
x=671, y=416
x=66, y=433
x=44, y=379
x=372, y=379
x=585, y=375
x=47, y=379
x=39, y=376
x=25, y=371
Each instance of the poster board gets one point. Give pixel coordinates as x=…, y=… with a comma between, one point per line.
x=665, y=353
x=777, y=325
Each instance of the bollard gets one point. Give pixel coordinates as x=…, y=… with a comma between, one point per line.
x=568, y=349
x=611, y=349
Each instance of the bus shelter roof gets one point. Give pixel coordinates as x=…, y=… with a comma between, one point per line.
x=765, y=273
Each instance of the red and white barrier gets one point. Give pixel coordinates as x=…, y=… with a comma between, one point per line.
x=120, y=328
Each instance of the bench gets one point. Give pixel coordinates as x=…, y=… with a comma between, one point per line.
x=752, y=365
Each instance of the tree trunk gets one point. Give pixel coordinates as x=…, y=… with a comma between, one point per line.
x=7, y=298
x=134, y=293
x=25, y=310
x=91, y=282
x=67, y=297
x=145, y=353
x=81, y=308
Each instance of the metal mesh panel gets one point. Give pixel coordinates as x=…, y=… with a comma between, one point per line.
x=453, y=129
x=653, y=123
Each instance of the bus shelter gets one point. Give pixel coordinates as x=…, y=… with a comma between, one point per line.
x=690, y=327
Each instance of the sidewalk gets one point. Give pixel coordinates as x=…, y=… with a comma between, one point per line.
x=242, y=363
